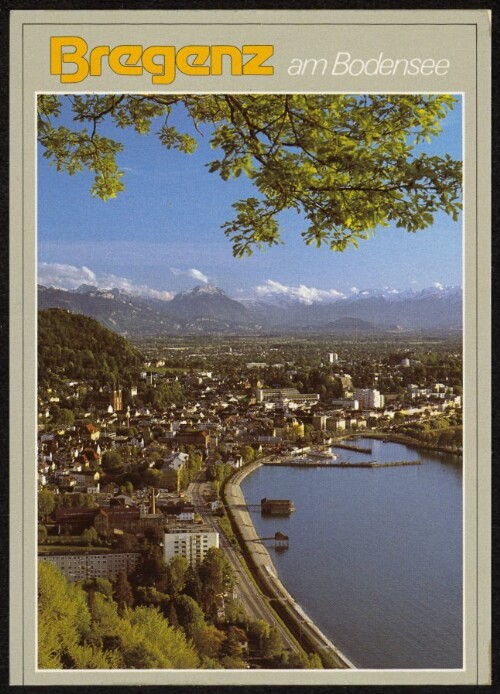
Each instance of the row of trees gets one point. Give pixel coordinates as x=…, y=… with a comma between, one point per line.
x=48, y=502
x=438, y=433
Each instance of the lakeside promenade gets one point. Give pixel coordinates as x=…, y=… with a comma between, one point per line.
x=267, y=576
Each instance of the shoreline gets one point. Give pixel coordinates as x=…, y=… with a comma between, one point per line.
x=400, y=438
x=261, y=565
x=266, y=574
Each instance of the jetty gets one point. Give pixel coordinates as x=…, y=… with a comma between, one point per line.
x=281, y=541
x=347, y=447
x=305, y=462
x=268, y=507
x=374, y=463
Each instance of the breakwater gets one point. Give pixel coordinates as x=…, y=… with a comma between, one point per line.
x=344, y=463
x=266, y=575
x=349, y=447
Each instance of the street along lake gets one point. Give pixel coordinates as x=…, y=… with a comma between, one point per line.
x=375, y=554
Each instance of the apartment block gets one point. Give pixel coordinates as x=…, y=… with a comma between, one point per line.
x=368, y=398
x=77, y=567
x=192, y=543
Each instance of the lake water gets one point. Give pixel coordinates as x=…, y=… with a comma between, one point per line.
x=375, y=555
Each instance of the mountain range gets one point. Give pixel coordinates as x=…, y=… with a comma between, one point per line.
x=208, y=309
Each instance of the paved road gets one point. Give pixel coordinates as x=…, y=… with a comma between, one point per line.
x=253, y=601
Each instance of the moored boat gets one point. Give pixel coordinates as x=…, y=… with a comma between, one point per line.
x=321, y=455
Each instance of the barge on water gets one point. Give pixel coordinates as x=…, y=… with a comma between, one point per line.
x=321, y=456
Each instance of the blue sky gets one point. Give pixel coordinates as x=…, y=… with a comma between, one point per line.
x=163, y=235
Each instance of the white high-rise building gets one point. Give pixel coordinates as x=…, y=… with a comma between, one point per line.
x=368, y=398
x=333, y=357
x=191, y=543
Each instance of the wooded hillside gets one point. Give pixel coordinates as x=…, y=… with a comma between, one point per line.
x=76, y=347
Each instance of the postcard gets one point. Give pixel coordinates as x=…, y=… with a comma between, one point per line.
x=250, y=416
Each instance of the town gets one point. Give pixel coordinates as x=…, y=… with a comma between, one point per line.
x=139, y=444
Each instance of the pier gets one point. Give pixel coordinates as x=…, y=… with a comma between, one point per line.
x=343, y=463
x=347, y=447
x=269, y=507
x=374, y=463
x=281, y=541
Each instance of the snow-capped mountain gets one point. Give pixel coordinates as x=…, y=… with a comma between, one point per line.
x=207, y=308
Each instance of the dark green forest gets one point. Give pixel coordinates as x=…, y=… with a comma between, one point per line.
x=76, y=347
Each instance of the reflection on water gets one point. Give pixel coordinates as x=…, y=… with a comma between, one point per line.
x=375, y=555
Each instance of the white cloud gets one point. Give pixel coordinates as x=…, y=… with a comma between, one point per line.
x=197, y=275
x=126, y=285
x=192, y=272
x=438, y=285
x=301, y=293
x=71, y=277
x=65, y=276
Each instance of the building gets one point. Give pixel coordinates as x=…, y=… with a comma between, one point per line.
x=181, y=511
x=74, y=520
x=200, y=438
x=77, y=567
x=345, y=404
x=129, y=519
x=116, y=517
x=276, y=507
x=333, y=357
x=116, y=399
x=319, y=422
x=192, y=543
x=368, y=398
x=90, y=433
x=285, y=395
x=336, y=423
x=176, y=461
x=280, y=540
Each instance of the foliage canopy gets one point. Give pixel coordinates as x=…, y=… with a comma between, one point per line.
x=346, y=163
x=76, y=634
x=74, y=346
